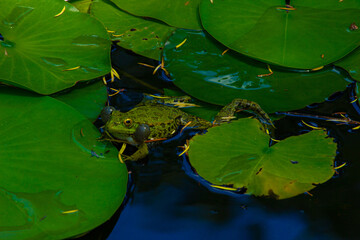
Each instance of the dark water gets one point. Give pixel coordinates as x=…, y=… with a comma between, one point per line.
x=167, y=201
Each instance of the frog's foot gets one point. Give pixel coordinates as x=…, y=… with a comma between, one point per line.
x=227, y=113
x=141, y=153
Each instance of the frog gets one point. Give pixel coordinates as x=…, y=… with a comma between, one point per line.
x=152, y=121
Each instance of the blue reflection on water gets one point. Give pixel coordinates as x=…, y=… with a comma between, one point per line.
x=169, y=204
x=139, y=221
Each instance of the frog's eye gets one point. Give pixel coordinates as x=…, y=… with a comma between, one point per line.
x=128, y=122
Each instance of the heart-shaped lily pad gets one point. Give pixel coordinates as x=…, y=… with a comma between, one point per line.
x=179, y=13
x=56, y=179
x=49, y=45
x=202, y=69
x=305, y=35
x=88, y=98
x=238, y=155
x=143, y=36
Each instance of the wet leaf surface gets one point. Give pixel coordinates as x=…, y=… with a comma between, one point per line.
x=89, y=99
x=57, y=180
x=180, y=13
x=202, y=69
x=48, y=46
x=296, y=36
x=143, y=36
x=238, y=155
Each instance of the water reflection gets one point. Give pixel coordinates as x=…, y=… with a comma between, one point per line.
x=168, y=204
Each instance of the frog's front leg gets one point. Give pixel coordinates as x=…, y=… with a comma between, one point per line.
x=140, y=153
x=227, y=112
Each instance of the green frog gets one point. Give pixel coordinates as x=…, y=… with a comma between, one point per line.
x=153, y=121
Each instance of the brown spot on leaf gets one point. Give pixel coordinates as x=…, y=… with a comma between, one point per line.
x=144, y=39
x=133, y=29
x=353, y=27
x=272, y=194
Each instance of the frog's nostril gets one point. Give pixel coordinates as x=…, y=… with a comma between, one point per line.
x=142, y=133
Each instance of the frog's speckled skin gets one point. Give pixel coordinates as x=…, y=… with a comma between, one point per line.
x=163, y=122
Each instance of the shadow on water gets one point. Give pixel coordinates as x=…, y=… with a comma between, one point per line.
x=167, y=202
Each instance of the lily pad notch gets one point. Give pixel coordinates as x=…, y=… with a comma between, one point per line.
x=237, y=155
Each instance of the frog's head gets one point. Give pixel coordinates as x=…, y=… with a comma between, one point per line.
x=124, y=127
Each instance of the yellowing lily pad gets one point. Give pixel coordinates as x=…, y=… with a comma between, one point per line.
x=238, y=155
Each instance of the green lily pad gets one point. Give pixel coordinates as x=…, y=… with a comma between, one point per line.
x=47, y=53
x=82, y=5
x=143, y=36
x=199, y=68
x=351, y=64
x=296, y=38
x=56, y=179
x=179, y=13
x=89, y=99
x=238, y=154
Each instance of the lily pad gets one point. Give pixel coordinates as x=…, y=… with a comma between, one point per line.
x=179, y=13
x=143, y=36
x=296, y=36
x=351, y=64
x=56, y=179
x=82, y=5
x=46, y=49
x=88, y=98
x=202, y=69
x=238, y=154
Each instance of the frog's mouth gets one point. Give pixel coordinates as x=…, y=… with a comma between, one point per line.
x=122, y=137
x=136, y=137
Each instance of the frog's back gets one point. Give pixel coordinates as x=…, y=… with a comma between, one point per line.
x=162, y=120
x=153, y=114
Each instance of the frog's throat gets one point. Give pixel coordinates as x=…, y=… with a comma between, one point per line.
x=122, y=138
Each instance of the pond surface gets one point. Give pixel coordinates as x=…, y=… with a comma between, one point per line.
x=166, y=200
